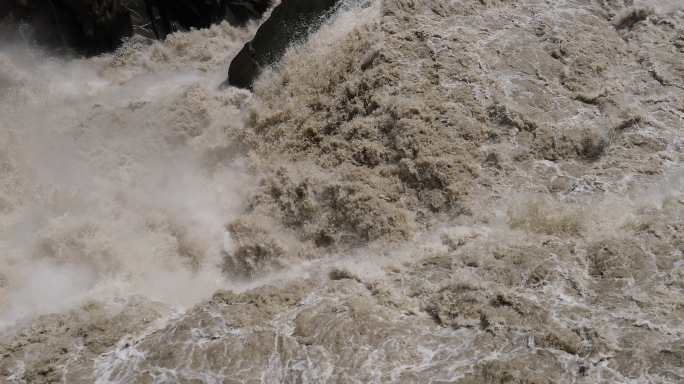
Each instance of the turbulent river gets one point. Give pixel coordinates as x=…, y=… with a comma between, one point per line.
x=423, y=191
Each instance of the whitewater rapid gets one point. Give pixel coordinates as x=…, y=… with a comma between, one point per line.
x=121, y=172
x=423, y=192
x=117, y=175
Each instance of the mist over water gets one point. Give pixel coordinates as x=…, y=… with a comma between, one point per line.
x=120, y=172
x=117, y=177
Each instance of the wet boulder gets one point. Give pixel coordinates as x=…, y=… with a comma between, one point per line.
x=291, y=21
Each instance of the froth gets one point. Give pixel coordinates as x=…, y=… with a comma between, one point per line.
x=118, y=174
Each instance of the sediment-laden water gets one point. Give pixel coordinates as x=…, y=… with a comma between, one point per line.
x=423, y=192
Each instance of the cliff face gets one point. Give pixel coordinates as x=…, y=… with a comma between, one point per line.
x=439, y=192
x=92, y=27
x=89, y=27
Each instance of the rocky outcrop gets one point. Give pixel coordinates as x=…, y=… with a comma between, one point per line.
x=86, y=26
x=91, y=27
x=76, y=337
x=291, y=21
x=241, y=11
x=165, y=17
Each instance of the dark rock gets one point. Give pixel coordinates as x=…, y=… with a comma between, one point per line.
x=165, y=17
x=238, y=12
x=291, y=21
x=92, y=27
x=86, y=26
